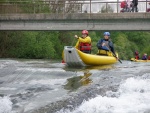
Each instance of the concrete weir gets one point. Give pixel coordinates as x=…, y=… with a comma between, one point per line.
x=79, y=21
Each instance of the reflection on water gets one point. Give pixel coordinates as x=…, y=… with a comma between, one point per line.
x=102, y=67
x=73, y=83
x=76, y=82
x=81, y=80
x=85, y=78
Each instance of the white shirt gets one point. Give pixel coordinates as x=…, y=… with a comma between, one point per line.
x=128, y=2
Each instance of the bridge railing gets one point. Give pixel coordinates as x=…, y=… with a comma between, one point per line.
x=62, y=6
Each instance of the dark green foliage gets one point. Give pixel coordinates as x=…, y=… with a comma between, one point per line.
x=107, y=9
x=25, y=6
x=29, y=44
x=50, y=44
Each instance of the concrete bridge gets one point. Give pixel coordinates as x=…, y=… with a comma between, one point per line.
x=80, y=21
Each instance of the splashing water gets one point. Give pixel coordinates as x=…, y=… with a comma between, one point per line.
x=132, y=97
x=5, y=105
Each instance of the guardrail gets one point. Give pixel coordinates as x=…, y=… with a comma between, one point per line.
x=63, y=7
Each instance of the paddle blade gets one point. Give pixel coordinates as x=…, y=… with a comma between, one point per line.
x=119, y=61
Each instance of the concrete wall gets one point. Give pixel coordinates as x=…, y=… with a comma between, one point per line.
x=109, y=21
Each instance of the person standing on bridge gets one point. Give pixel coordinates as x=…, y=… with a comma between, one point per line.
x=148, y=9
x=134, y=5
x=84, y=43
x=105, y=45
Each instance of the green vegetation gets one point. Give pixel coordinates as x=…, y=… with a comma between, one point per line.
x=39, y=6
x=50, y=44
x=107, y=9
x=24, y=6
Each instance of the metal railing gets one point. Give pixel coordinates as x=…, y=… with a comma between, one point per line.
x=62, y=6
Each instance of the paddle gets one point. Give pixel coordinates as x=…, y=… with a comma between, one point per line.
x=114, y=55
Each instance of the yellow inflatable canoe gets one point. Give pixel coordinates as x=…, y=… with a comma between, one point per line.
x=135, y=60
x=74, y=57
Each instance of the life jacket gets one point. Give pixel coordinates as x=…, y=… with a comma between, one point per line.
x=85, y=47
x=104, y=52
x=137, y=57
x=149, y=58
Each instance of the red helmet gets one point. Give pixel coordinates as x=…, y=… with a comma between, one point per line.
x=85, y=32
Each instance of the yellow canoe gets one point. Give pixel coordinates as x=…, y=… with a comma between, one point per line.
x=74, y=57
x=135, y=60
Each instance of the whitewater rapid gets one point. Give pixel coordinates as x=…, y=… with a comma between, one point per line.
x=37, y=86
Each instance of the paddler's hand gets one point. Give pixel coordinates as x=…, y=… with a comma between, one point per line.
x=76, y=36
x=103, y=44
x=117, y=58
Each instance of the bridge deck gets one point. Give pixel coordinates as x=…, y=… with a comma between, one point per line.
x=101, y=21
x=76, y=16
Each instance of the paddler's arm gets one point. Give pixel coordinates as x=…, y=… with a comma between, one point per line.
x=77, y=44
x=85, y=40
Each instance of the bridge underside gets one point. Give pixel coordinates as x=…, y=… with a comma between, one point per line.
x=80, y=23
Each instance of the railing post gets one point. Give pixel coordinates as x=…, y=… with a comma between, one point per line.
x=81, y=7
x=107, y=7
x=33, y=4
x=117, y=5
x=146, y=5
x=90, y=9
x=16, y=8
x=64, y=10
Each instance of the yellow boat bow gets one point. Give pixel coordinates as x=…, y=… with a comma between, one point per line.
x=139, y=60
x=74, y=57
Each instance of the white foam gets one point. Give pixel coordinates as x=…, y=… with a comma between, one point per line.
x=2, y=66
x=132, y=97
x=5, y=105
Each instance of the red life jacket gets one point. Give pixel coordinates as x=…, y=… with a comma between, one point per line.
x=85, y=47
x=137, y=57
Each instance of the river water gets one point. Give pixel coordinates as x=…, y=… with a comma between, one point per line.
x=45, y=86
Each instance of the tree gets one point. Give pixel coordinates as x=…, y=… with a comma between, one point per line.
x=107, y=9
x=64, y=6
